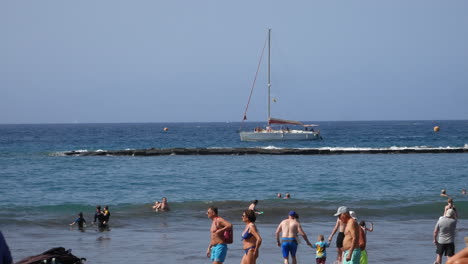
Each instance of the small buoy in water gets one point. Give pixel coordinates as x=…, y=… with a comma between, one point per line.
x=166, y=129
x=436, y=129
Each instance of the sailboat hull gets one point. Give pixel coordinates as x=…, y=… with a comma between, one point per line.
x=294, y=135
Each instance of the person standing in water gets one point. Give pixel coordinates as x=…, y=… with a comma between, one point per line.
x=352, y=253
x=340, y=227
x=290, y=228
x=217, y=249
x=80, y=221
x=251, y=238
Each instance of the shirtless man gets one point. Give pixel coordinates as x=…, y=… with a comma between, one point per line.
x=340, y=227
x=290, y=228
x=352, y=253
x=217, y=249
x=161, y=206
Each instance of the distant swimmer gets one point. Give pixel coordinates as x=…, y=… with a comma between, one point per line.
x=161, y=206
x=450, y=205
x=80, y=221
x=278, y=195
x=287, y=196
x=463, y=191
x=443, y=193
x=253, y=206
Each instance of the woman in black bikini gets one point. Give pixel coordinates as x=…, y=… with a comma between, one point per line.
x=251, y=238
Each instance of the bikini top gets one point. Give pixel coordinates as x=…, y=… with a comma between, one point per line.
x=247, y=234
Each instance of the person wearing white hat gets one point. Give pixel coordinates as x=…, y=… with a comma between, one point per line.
x=352, y=252
x=340, y=227
x=444, y=236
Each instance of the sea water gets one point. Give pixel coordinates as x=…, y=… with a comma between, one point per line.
x=42, y=191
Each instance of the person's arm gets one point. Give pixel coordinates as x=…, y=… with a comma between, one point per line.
x=278, y=231
x=436, y=231
x=208, y=251
x=460, y=258
x=337, y=225
x=225, y=225
x=362, y=238
x=372, y=227
x=354, y=232
x=254, y=232
x=303, y=234
x=73, y=223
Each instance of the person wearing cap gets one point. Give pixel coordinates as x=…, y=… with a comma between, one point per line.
x=289, y=229
x=444, y=236
x=352, y=252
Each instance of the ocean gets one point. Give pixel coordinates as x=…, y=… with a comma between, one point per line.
x=42, y=190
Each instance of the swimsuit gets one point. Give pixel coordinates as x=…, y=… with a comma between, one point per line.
x=247, y=235
x=363, y=257
x=289, y=245
x=218, y=252
x=339, y=240
x=248, y=249
x=355, y=257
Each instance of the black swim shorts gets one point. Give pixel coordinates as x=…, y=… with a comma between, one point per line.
x=448, y=249
x=339, y=240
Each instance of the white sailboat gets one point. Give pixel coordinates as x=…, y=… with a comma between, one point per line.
x=306, y=132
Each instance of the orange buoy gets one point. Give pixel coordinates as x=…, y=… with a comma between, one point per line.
x=436, y=129
x=166, y=129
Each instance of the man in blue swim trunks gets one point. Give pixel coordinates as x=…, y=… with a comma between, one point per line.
x=217, y=249
x=289, y=229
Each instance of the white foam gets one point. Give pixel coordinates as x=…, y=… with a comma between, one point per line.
x=270, y=147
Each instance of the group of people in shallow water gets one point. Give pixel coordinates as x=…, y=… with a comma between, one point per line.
x=351, y=241
x=100, y=216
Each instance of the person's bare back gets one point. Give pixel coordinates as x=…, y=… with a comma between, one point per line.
x=289, y=228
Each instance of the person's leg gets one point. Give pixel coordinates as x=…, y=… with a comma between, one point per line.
x=339, y=255
x=438, y=259
x=285, y=251
x=294, y=260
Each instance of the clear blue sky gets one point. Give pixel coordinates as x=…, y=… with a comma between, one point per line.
x=175, y=61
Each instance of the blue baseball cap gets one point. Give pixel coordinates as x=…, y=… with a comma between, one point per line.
x=293, y=214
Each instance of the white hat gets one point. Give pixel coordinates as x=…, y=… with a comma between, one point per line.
x=353, y=214
x=341, y=210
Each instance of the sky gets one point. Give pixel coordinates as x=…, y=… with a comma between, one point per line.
x=194, y=61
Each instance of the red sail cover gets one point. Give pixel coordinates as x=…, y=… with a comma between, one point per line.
x=283, y=121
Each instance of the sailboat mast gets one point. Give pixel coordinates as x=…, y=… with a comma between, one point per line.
x=269, y=84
